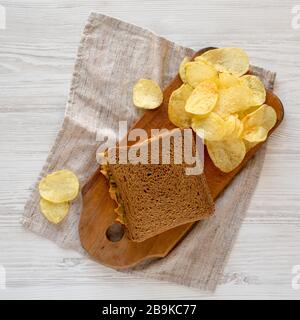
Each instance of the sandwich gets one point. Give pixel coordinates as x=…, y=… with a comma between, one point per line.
x=154, y=197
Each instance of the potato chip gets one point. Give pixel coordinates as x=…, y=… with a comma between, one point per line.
x=147, y=94
x=227, y=80
x=258, y=96
x=60, y=186
x=203, y=98
x=54, y=212
x=230, y=124
x=176, y=108
x=243, y=114
x=227, y=154
x=233, y=99
x=238, y=130
x=258, y=123
x=250, y=145
x=182, y=68
x=211, y=128
x=199, y=58
x=256, y=134
x=198, y=71
x=230, y=60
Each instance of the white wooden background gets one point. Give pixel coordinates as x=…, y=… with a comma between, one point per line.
x=37, y=52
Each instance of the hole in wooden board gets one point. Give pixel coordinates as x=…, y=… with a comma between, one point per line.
x=115, y=232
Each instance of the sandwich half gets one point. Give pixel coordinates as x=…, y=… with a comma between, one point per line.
x=153, y=198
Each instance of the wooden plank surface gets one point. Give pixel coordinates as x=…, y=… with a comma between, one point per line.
x=37, y=52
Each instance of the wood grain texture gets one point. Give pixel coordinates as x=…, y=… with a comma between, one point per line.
x=98, y=208
x=37, y=52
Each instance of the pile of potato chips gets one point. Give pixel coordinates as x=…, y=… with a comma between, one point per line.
x=222, y=104
x=57, y=190
x=219, y=101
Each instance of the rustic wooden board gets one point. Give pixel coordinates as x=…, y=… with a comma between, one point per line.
x=98, y=208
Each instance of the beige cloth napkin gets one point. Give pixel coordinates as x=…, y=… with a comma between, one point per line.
x=112, y=56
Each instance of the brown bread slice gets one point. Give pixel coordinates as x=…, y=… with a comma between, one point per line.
x=158, y=197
